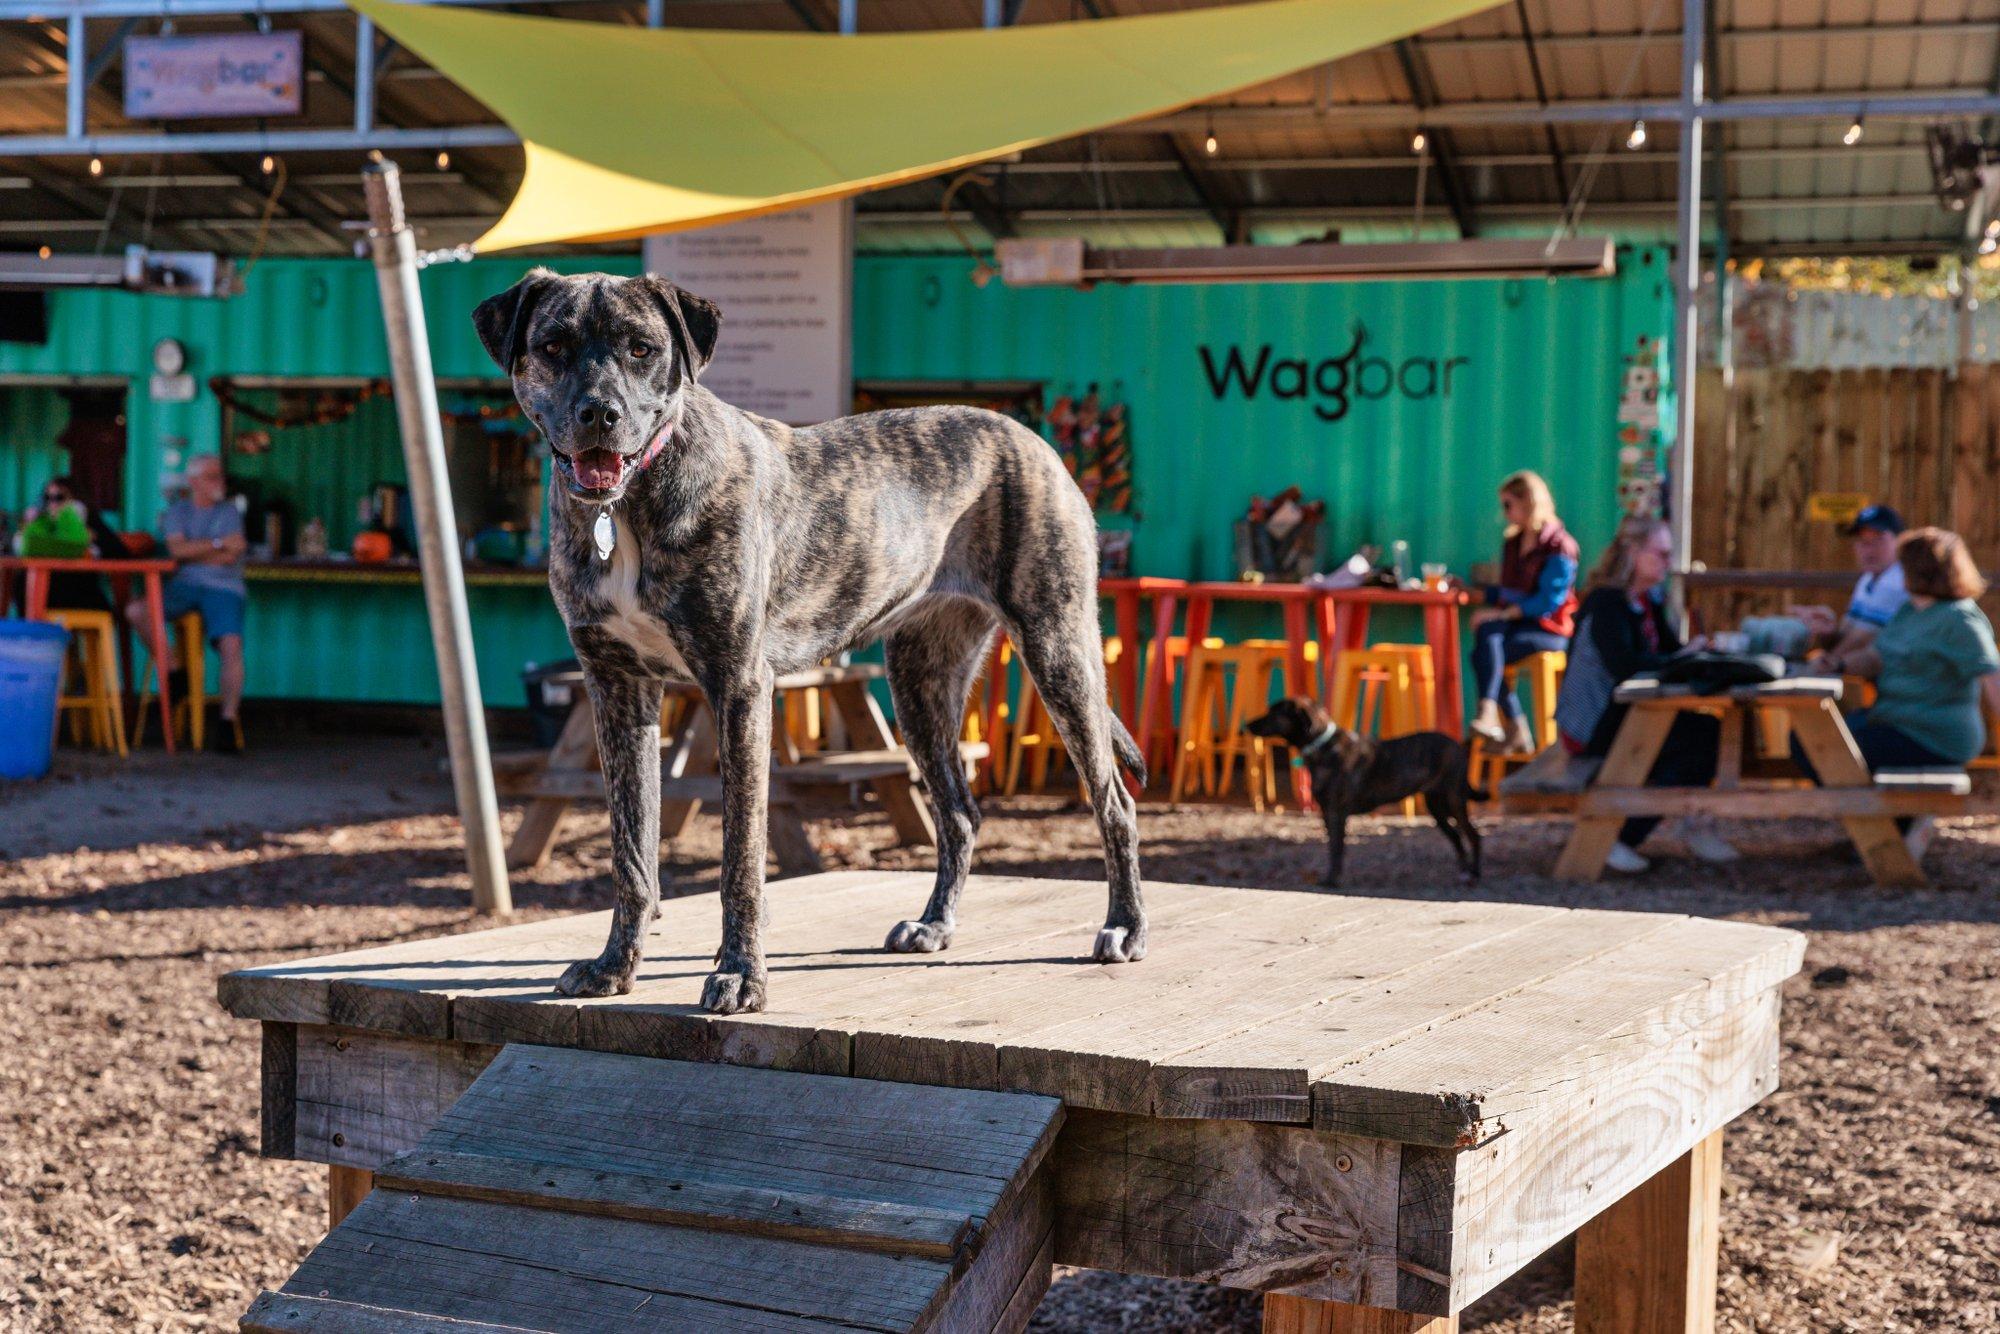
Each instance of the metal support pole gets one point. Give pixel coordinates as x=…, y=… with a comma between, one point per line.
x=364, y=74
x=395, y=251
x=850, y=17
x=79, y=76
x=656, y=13
x=991, y=14
x=1687, y=291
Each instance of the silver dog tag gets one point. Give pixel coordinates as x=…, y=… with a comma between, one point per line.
x=605, y=534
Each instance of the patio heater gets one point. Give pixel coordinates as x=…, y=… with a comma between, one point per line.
x=395, y=250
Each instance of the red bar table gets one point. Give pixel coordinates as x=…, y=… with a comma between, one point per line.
x=1126, y=594
x=1343, y=625
x=35, y=602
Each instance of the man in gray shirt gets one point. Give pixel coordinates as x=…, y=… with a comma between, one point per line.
x=204, y=532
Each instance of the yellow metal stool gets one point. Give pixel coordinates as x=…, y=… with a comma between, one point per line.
x=190, y=647
x=1226, y=687
x=1543, y=674
x=94, y=649
x=1386, y=690
x=1032, y=730
x=1165, y=748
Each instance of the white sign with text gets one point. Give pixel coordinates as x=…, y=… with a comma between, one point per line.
x=785, y=284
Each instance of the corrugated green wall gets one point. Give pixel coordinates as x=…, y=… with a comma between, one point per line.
x=1534, y=367
x=1534, y=374
x=31, y=417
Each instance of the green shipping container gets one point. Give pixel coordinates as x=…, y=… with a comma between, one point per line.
x=1402, y=405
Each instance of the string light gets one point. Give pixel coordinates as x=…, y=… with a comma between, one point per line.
x=1853, y=135
x=97, y=166
x=269, y=164
x=1210, y=143
x=1636, y=139
x=444, y=160
x=1419, y=143
x=43, y=253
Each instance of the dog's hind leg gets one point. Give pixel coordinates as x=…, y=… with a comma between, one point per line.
x=1453, y=823
x=933, y=661
x=1065, y=657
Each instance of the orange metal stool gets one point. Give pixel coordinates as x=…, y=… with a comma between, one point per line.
x=1543, y=673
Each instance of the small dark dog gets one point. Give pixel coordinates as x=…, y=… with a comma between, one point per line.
x=1353, y=774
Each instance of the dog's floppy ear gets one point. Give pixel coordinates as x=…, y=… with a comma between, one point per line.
x=502, y=320
x=696, y=318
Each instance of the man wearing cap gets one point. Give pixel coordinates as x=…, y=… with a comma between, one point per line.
x=1878, y=594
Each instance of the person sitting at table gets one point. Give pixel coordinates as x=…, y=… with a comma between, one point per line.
x=1933, y=664
x=1623, y=628
x=204, y=533
x=69, y=529
x=1878, y=594
x=1531, y=610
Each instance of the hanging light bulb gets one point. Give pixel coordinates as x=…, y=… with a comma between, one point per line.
x=269, y=164
x=1853, y=135
x=1210, y=143
x=444, y=160
x=1418, y=143
x=97, y=166
x=43, y=253
x=1636, y=139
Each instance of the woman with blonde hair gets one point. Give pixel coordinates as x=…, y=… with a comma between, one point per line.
x=1531, y=610
x=1623, y=628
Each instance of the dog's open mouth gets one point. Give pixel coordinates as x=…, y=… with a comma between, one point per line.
x=598, y=469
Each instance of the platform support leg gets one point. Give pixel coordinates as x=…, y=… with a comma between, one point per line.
x=345, y=1188
x=1647, y=1264
x=1286, y=1314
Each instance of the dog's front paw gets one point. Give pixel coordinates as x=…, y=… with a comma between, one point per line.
x=733, y=992
x=1120, y=944
x=602, y=976
x=918, y=937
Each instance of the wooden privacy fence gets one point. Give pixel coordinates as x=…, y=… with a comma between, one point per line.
x=1926, y=441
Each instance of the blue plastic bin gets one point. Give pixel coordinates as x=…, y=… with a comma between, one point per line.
x=31, y=665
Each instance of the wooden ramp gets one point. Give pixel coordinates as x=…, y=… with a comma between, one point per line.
x=571, y=1190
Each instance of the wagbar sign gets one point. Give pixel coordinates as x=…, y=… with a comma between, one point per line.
x=214, y=74
x=1333, y=383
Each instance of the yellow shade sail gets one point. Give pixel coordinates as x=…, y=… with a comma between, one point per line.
x=637, y=130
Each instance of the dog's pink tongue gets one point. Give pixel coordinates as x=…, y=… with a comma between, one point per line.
x=600, y=469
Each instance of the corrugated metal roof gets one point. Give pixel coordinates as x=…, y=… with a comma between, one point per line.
x=1324, y=148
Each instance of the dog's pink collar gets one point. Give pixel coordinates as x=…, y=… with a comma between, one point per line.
x=653, y=450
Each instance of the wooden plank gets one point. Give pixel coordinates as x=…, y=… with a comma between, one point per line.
x=1286, y=1314
x=1201, y=1199
x=1647, y=1265
x=1277, y=1063
x=868, y=729
x=795, y=1215
x=1012, y=1269
x=1830, y=746
x=471, y=1260
x=1601, y=1135
x=1633, y=751
x=575, y=748
x=298, y=1313
x=945, y=1151
x=1477, y=1070
x=346, y=1188
x=279, y=1081
x=365, y=1097
x=1783, y=803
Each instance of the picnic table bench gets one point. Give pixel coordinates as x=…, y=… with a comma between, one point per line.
x=1371, y=1110
x=1604, y=794
x=570, y=771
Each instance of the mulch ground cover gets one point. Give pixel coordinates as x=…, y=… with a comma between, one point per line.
x=1865, y=1195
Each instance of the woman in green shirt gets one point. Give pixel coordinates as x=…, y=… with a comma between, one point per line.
x=1934, y=664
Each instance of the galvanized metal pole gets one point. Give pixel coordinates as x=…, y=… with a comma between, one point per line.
x=78, y=87
x=395, y=251
x=1687, y=290
x=364, y=74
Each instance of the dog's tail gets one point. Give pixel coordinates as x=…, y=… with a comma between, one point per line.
x=1127, y=749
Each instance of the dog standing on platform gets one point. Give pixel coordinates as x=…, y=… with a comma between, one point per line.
x=1353, y=774
x=688, y=538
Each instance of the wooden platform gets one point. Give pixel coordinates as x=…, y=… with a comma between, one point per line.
x=581, y=1191
x=1392, y=1103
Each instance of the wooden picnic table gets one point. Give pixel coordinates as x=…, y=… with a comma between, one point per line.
x=571, y=770
x=1357, y=1105
x=35, y=571
x=1867, y=805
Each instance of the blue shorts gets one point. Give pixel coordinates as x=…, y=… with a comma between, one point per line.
x=221, y=608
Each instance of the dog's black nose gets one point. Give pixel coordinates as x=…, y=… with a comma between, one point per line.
x=597, y=414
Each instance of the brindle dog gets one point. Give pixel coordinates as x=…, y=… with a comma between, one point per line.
x=691, y=539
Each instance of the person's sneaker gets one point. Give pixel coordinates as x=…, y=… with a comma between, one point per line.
x=1625, y=860
x=1709, y=846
